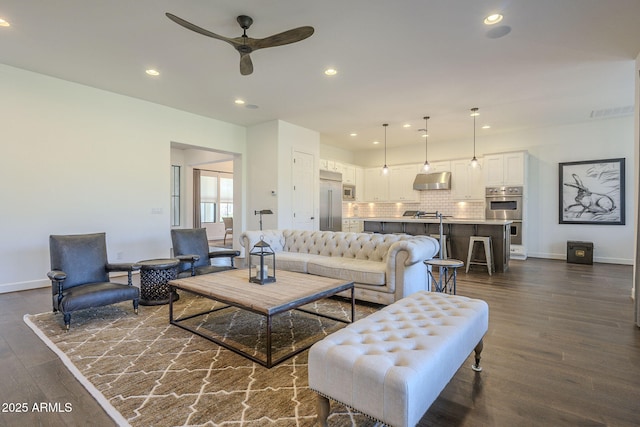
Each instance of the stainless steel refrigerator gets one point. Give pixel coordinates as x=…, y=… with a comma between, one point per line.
x=330, y=201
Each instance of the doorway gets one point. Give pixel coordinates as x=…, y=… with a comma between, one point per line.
x=303, y=191
x=226, y=165
x=212, y=198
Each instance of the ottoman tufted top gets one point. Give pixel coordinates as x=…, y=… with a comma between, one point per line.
x=390, y=363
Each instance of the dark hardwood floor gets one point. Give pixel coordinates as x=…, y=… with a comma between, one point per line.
x=561, y=350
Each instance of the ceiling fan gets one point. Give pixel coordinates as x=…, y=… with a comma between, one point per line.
x=245, y=44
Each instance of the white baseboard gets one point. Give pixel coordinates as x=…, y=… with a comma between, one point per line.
x=563, y=256
x=24, y=286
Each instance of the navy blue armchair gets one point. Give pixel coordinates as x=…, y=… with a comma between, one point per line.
x=80, y=275
x=191, y=247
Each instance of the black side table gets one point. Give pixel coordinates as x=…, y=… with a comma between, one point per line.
x=155, y=275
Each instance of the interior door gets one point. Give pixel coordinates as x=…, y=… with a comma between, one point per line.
x=304, y=191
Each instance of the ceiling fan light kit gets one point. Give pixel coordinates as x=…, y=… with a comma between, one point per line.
x=245, y=44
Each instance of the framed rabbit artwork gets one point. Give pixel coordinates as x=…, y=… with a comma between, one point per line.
x=592, y=192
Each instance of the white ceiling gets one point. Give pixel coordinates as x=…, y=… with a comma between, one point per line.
x=397, y=60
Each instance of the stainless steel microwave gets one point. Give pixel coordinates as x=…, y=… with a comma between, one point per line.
x=348, y=192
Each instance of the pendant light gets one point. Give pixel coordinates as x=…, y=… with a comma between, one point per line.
x=426, y=165
x=385, y=168
x=474, y=162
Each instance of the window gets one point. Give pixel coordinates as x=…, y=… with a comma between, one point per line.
x=208, y=197
x=226, y=196
x=216, y=195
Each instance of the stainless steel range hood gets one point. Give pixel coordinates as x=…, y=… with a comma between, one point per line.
x=432, y=181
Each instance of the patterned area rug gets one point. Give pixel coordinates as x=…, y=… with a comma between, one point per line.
x=146, y=372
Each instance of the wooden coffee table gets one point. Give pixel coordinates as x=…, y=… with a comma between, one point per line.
x=232, y=288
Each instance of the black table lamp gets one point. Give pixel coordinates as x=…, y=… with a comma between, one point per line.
x=262, y=212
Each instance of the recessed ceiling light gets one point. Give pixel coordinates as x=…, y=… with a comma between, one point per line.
x=239, y=101
x=152, y=72
x=353, y=134
x=376, y=142
x=486, y=127
x=493, y=19
x=331, y=71
x=406, y=125
x=4, y=23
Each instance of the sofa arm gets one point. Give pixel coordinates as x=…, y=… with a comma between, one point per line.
x=419, y=249
x=57, y=275
x=275, y=239
x=231, y=254
x=122, y=266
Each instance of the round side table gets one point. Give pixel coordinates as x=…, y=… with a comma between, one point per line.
x=446, y=281
x=155, y=275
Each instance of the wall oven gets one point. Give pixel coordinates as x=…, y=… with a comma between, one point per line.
x=506, y=203
x=503, y=203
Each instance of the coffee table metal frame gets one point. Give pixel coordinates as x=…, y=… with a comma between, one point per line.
x=294, y=304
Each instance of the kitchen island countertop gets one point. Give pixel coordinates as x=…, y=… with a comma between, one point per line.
x=410, y=219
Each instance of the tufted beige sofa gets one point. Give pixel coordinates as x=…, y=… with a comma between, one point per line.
x=383, y=267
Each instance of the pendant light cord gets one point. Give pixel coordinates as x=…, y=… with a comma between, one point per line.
x=385, y=143
x=474, y=135
x=385, y=168
x=426, y=139
x=474, y=113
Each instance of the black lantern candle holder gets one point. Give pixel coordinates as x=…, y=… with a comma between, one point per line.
x=259, y=270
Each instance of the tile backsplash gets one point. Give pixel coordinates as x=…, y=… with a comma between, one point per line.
x=430, y=201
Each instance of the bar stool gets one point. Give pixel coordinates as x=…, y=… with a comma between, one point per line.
x=448, y=285
x=488, y=250
x=446, y=249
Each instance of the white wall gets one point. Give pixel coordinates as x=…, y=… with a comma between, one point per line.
x=596, y=139
x=270, y=160
x=263, y=165
x=77, y=160
x=334, y=153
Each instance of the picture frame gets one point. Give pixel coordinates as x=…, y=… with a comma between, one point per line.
x=592, y=192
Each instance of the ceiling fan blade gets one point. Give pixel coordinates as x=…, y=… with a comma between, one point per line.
x=286, y=37
x=200, y=30
x=246, y=66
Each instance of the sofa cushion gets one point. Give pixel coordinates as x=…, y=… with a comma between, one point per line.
x=353, y=270
x=293, y=261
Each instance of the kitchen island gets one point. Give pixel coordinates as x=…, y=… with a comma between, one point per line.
x=458, y=231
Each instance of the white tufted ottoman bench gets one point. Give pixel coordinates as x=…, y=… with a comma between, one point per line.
x=393, y=364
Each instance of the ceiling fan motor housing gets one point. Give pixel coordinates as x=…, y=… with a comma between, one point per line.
x=245, y=21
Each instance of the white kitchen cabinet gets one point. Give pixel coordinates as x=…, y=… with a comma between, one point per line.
x=353, y=225
x=348, y=174
x=376, y=185
x=331, y=165
x=356, y=225
x=505, y=169
x=401, y=183
x=467, y=183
